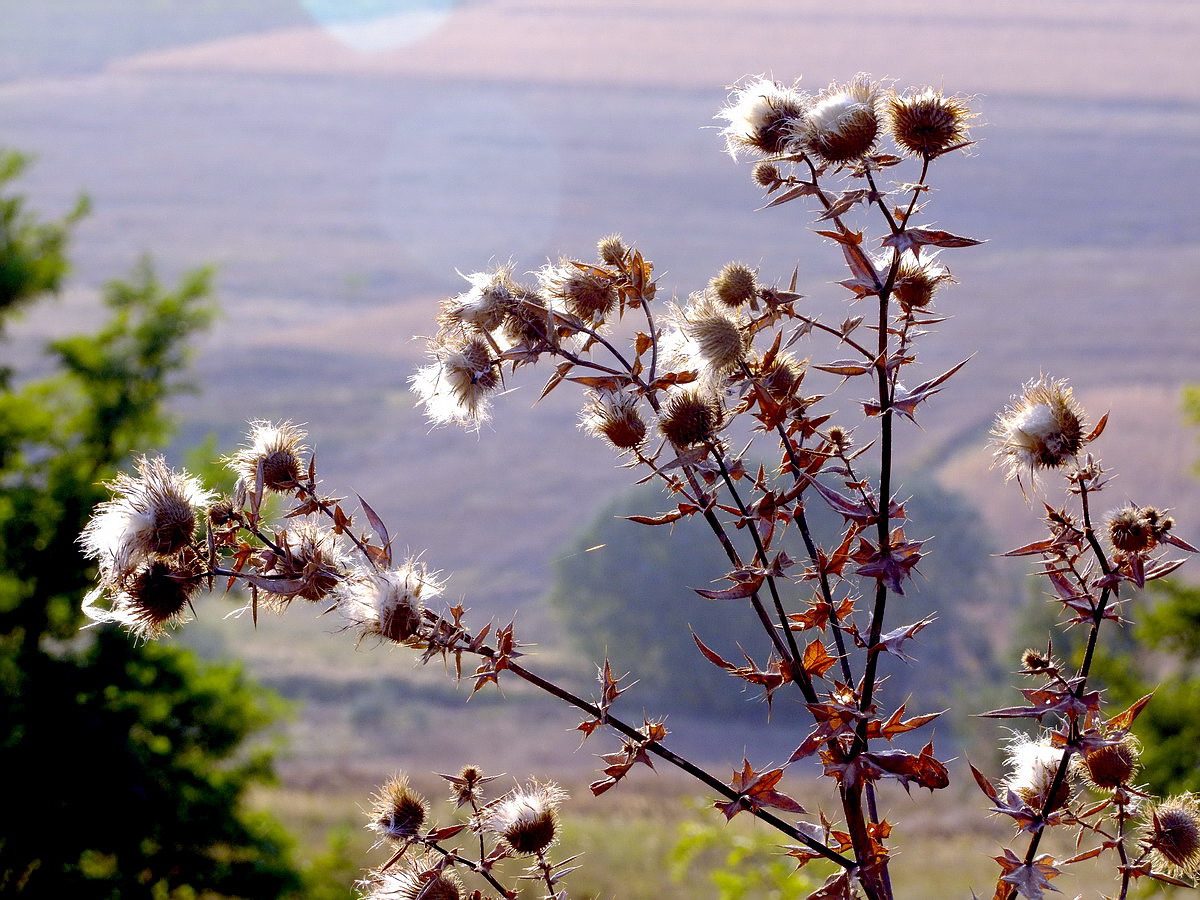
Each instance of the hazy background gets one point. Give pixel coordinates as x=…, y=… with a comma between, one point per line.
x=338, y=162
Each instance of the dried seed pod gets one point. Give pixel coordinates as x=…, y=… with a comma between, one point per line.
x=735, y=285
x=690, y=416
x=925, y=122
x=526, y=819
x=842, y=125
x=1041, y=429
x=1173, y=835
x=397, y=811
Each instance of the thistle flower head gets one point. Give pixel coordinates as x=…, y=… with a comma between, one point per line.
x=690, y=416
x=614, y=416
x=274, y=448
x=397, y=811
x=766, y=175
x=526, y=819
x=583, y=291
x=1109, y=767
x=839, y=438
x=925, y=122
x=1173, y=835
x=529, y=321
x=917, y=278
x=1034, y=661
x=484, y=306
x=763, y=116
x=312, y=563
x=388, y=602
x=457, y=386
x=151, y=599
x=1042, y=428
x=735, y=285
x=714, y=335
x=843, y=123
x=1033, y=766
x=467, y=786
x=780, y=377
x=1137, y=529
x=422, y=878
x=151, y=515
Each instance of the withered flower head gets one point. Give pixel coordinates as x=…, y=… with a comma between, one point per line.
x=1137, y=529
x=467, y=786
x=1109, y=767
x=419, y=879
x=1035, y=661
x=277, y=448
x=1034, y=764
x=457, y=386
x=526, y=819
x=312, y=563
x=841, y=439
x=151, y=599
x=843, y=124
x=766, y=175
x=151, y=515
x=735, y=285
x=485, y=305
x=763, y=116
x=925, y=122
x=918, y=278
x=611, y=250
x=529, y=320
x=1042, y=428
x=614, y=416
x=690, y=416
x=223, y=515
x=388, y=602
x=1173, y=835
x=583, y=292
x=781, y=377
x=715, y=336
x=397, y=811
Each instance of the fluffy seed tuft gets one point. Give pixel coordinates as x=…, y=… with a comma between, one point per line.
x=526, y=819
x=614, y=416
x=274, y=448
x=1042, y=428
x=397, y=811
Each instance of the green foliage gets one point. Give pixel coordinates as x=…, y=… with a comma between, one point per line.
x=739, y=866
x=125, y=765
x=625, y=591
x=32, y=253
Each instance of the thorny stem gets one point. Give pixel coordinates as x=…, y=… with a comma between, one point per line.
x=661, y=751
x=878, y=198
x=802, y=679
x=547, y=872
x=1098, y=609
x=323, y=506
x=470, y=864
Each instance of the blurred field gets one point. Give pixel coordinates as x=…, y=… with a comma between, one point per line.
x=337, y=182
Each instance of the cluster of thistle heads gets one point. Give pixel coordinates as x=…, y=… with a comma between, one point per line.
x=522, y=824
x=153, y=558
x=666, y=393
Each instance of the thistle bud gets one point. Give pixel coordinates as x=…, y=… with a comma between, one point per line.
x=766, y=175
x=1033, y=661
x=690, y=417
x=840, y=438
x=151, y=599
x=781, y=377
x=917, y=279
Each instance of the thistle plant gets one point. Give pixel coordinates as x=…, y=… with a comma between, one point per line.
x=733, y=399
